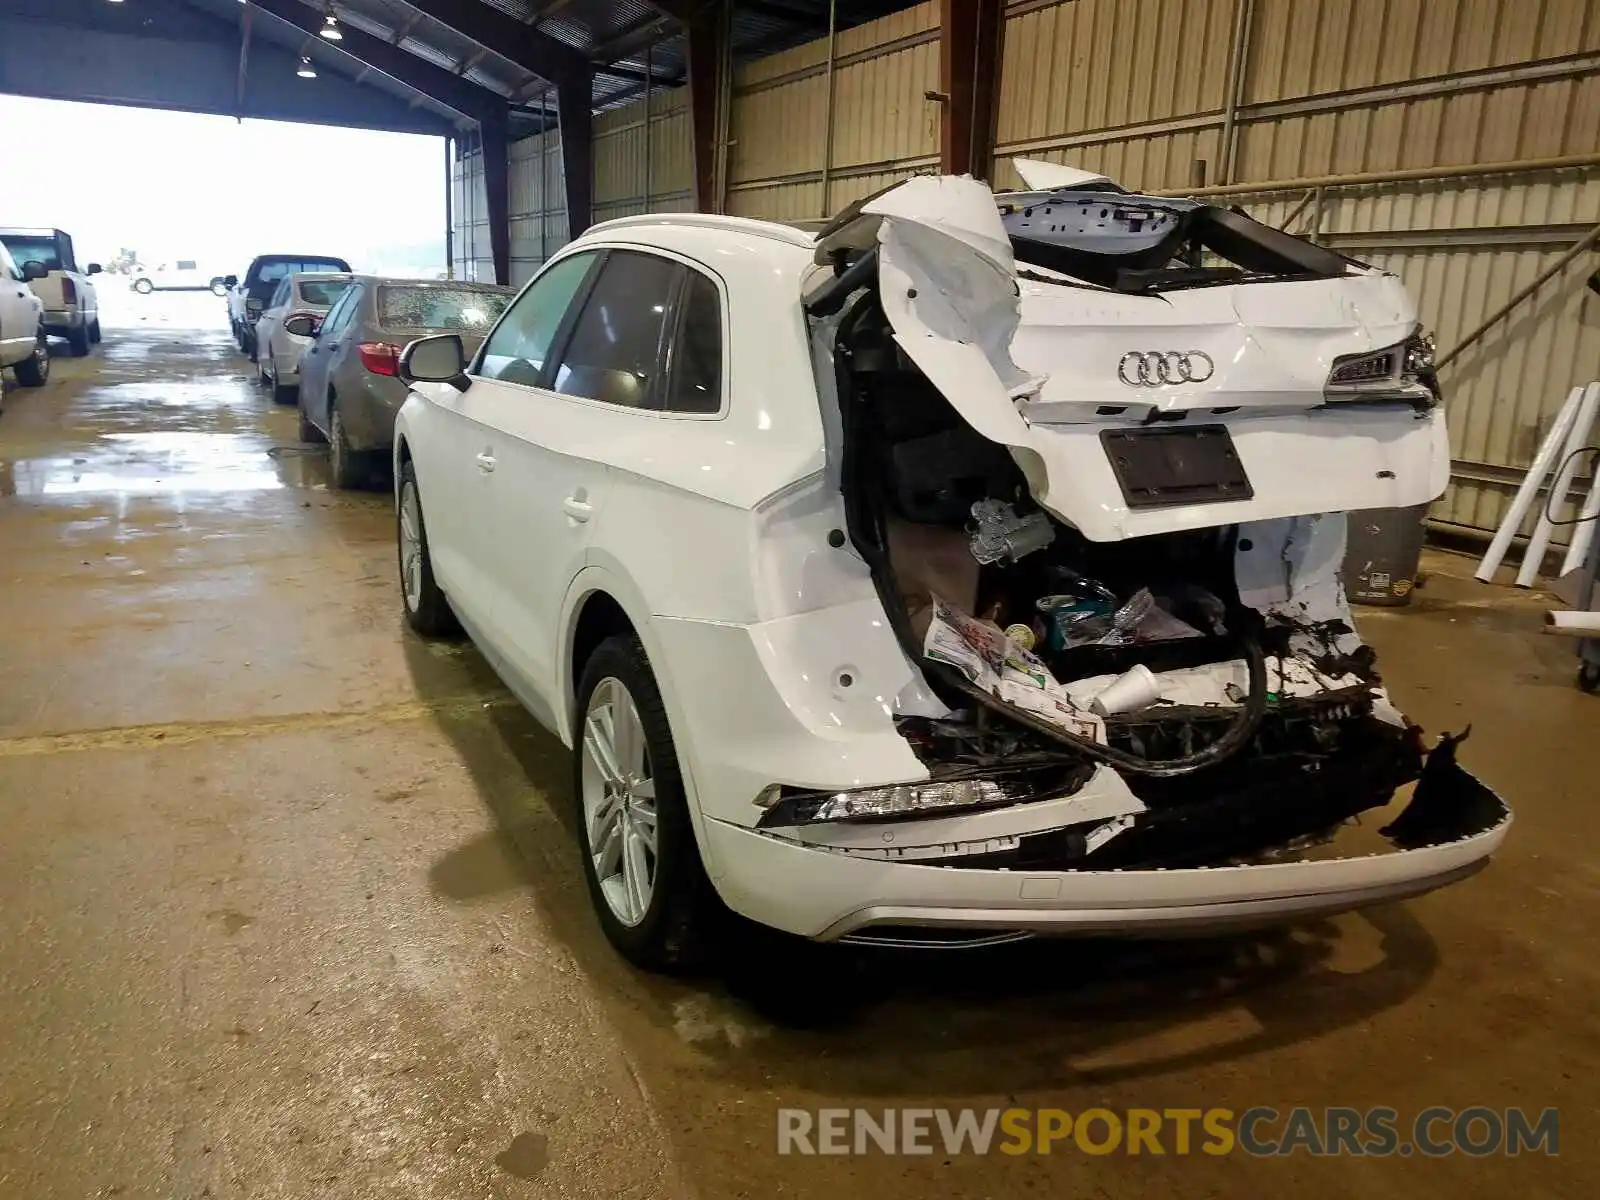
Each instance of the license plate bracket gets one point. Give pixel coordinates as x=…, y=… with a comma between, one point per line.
x=1190, y=464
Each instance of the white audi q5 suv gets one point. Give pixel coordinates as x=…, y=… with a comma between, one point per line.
x=967, y=571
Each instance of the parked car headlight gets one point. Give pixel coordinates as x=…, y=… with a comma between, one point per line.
x=786, y=806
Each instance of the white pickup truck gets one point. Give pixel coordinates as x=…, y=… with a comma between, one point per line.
x=71, y=308
x=23, y=347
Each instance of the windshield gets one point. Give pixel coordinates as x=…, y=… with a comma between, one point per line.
x=33, y=249
x=322, y=292
x=467, y=309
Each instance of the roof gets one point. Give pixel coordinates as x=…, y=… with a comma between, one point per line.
x=775, y=230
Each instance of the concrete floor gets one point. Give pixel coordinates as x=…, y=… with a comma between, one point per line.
x=290, y=905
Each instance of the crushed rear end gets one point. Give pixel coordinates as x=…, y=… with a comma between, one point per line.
x=1096, y=449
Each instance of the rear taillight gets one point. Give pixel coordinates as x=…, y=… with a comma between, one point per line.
x=381, y=358
x=314, y=317
x=69, y=292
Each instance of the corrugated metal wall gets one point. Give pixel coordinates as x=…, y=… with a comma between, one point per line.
x=1148, y=90
x=883, y=126
x=469, y=254
x=633, y=174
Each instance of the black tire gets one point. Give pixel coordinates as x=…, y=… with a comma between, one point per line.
x=1589, y=678
x=250, y=345
x=218, y=288
x=34, y=371
x=431, y=615
x=143, y=286
x=283, y=393
x=308, y=431
x=94, y=332
x=261, y=375
x=679, y=922
x=349, y=469
x=78, y=342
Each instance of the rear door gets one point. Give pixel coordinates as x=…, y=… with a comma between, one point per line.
x=550, y=481
x=456, y=455
x=18, y=325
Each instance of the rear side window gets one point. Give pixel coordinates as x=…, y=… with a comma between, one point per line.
x=694, y=382
x=322, y=293
x=25, y=250
x=614, y=354
x=186, y=264
x=470, y=310
x=517, y=349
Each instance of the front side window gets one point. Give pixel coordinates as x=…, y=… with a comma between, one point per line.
x=694, y=383
x=614, y=354
x=517, y=349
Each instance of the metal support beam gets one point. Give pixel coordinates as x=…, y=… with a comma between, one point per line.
x=496, y=144
x=508, y=37
x=244, y=60
x=970, y=36
x=577, y=151
x=708, y=36
x=453, y=92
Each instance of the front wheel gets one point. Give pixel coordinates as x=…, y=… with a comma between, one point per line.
x=34, y=371
x=218, y=288
x=1589, y=678
x=640, y=859
x=427, y=610
x=143, y=286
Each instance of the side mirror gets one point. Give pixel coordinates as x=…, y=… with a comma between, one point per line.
x=438, y=359
x=95, y=269
x=34, y=270
x=231, y=280
x=302, y=326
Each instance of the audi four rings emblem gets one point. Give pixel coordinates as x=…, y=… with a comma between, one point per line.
x=1152, y=368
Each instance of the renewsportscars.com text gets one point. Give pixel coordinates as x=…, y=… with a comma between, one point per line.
x=1260, y=1131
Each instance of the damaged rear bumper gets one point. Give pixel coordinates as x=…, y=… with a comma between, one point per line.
x=1447, y=833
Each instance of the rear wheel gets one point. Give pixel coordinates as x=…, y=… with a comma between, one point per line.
x=640, y=859
x=427, y=610
x=34, y=371
x=143, y=286
x=282, y=393
x=218, y=288
x=78, y=342
x=347, y=466
x=94, y=331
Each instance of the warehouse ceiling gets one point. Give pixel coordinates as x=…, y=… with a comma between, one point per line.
x=624, y=40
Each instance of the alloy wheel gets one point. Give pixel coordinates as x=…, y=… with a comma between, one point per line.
x=619, y=802
x=410, y=547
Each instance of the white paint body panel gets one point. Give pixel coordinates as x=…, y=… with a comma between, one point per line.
x=712, y=535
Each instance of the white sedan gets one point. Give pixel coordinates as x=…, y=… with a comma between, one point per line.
x=304, y=293
x=764, y=525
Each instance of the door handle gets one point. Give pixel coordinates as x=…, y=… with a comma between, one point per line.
x=486, y=462
x=578, y=510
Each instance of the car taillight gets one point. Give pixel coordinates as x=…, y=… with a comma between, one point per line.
x=381, y=358
x=69, y=292
x=314, y=317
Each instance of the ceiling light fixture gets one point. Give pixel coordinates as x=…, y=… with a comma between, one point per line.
x=330, y=29
x=306, y=70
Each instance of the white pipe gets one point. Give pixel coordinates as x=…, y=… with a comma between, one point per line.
x=1542, y=462
x=1572, y=623
x=1583, y=531
x=1577, y=437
